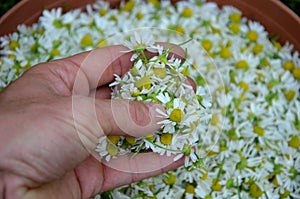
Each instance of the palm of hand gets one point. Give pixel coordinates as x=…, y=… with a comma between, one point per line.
x=43, y=153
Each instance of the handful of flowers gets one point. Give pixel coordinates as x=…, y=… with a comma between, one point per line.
x=160, y=78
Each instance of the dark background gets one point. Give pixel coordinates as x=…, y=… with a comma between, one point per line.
x=7, y=4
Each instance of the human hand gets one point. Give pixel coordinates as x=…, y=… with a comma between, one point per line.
x=51, y=119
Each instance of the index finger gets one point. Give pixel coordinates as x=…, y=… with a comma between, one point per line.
x=100, y=65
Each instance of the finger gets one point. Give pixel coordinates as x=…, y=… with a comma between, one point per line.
x=103, y=92
x=95, y=177
x=101, y=64
x=191, y=82
x=95, y=118
x=143, y=166
x=139, y=163
x=91, y=177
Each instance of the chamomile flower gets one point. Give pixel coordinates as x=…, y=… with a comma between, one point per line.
x=139, y=42
x=105, y=149
x=51, y=19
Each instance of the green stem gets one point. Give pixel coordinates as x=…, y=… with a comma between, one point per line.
x=185, y=42
x=144, y=57
x=180, y=83
x=161, y=147
x=137, y=152
x=266, y=195
x=221, y=167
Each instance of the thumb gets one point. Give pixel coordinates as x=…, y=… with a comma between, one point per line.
x=133, y=118
x=95, y=118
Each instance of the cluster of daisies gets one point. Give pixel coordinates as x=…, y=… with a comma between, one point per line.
x=248, y=82
x=161, y=78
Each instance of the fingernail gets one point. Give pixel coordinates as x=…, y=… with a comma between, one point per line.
x=157, y=112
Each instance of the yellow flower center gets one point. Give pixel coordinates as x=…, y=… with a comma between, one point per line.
x=215, y=119
x=86, y=41
x=235, y=28
x=277, y=45
x=139, y=15
x=130, y=140
x=265, y=62
x=134, y=71
x=113, y=18
x=258, y=130
x=225, y=53
x=242, y=64
x=135, y=94
x=150, y=137
x=102, y=12
x=289, y=65
x=223, y=148
x=285, y=194
x=294, y=141
x=190, y=189
x=255, y=191
x=204, y=176
x=166, y=138
x=114, y=139
x=102, y=43
x=129, y=6
x=252, y=35
x=154, y=2
x=54, y=52
x=13, y=45
x=12, y=56
x=171, y=179
x=216, y=186
x=143, y=83
x=160, y=72
x=187, y=12
x=296, y=73
x=111, y=149
x=208, y=196
x=176, y=115
x=235, y=17
x=290, y=95
x=211, y=153
x=216, y=30
x=260, y=76
x=207, y=44
x=257, y=48
x=244, y=86
x=275, y=182
x=180, y=29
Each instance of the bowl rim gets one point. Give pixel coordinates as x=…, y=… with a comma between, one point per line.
x=277, y=18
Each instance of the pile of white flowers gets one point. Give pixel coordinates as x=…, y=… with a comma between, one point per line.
x=257, y=154
x=159, y=79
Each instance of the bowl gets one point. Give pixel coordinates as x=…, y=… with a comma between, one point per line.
x=274, y=15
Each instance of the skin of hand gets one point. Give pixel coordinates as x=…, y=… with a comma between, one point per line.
x=46, y=149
